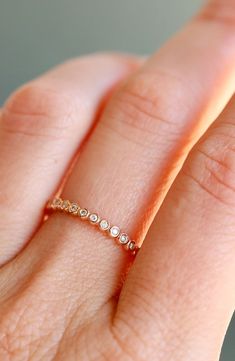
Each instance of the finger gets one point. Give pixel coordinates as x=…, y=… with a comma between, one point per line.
x=41, y=127
x=137, y=147
x=146, y=131
x=181, y=286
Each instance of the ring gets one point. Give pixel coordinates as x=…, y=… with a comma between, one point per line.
x=74, y=209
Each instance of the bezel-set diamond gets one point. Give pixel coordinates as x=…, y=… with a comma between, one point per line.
x=123, y=238
x=114, y=231
x=65, y=205
x=94, y=218
x=83, y=212
x=73, y=208
x=57, y=202
x=131, y=245
x=103, y=224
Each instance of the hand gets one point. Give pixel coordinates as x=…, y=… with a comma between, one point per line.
x=62, y=295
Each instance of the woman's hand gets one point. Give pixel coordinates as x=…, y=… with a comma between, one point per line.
x=62, y=295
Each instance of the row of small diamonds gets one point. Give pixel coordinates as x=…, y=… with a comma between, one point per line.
x=93, y=218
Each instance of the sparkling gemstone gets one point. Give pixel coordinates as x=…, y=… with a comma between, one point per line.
x=65, y=205
x=73, y=208
x=57, y=202
x=114, y=231
x=131, y=245
x=104, y=225
x=83, y=212
x=94, y=218
x=123, y=238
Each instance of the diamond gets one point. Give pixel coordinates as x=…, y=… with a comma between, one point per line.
x=94, y=218
x=131, y=245
x=114, y=231
x=123, y=238
x=83, y=212
x=73, y=208
x=65, y=205
x=104, y=225
x=57, y=202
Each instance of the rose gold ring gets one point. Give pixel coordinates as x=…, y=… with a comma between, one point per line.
x=74, y=209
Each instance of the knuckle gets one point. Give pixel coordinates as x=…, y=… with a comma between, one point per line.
x=141, y=107
x=139, y=100
x=213, y=165
x=114, y=56
x=37, y=110
x=222, y=11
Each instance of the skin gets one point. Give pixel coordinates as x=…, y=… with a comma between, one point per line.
x=149, y=144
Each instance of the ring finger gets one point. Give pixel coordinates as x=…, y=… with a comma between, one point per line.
x=138, y=146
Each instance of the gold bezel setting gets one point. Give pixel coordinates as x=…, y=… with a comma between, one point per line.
x=73, y=208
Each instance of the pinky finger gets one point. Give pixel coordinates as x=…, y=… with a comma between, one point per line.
x=180, y=292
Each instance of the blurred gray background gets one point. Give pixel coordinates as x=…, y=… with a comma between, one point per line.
x=35, y=35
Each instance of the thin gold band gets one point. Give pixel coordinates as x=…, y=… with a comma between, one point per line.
x=73, y=208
